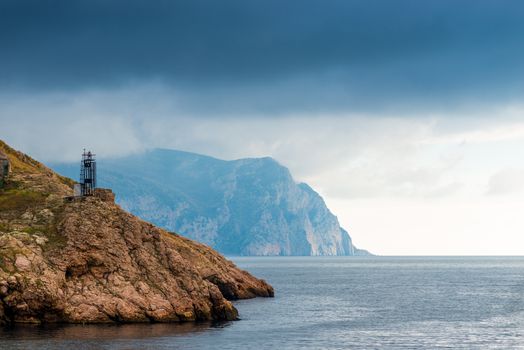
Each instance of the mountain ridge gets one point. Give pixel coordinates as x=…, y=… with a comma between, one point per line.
x=247, y=206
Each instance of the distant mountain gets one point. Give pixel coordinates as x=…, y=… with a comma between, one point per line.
x=241, y=207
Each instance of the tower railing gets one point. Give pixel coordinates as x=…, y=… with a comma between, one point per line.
x=87, y=174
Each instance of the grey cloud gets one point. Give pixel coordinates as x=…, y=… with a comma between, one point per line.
x=342, y=156
x=239, y=56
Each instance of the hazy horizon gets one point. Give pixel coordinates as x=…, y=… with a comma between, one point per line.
x=406, y=116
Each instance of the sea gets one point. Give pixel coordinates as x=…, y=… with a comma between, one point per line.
x=336, y=303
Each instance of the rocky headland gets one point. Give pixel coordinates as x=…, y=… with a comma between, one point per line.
x=88, y=261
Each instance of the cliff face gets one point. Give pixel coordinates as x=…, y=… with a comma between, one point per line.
x=242, y=207
x=90, y=261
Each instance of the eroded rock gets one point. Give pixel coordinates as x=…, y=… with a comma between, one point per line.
x=89, y=261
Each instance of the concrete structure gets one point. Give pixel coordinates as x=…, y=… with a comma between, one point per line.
x=77, y=190
x=4, y=168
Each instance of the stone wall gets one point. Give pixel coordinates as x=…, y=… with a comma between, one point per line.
x=105, y=194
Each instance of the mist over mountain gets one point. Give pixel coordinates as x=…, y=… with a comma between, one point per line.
x=242, y=207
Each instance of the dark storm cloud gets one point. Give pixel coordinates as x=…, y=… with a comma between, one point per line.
x=270, y=55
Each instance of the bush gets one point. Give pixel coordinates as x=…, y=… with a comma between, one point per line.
x=20, y=200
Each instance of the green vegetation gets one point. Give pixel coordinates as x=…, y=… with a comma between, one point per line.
x=34, y=229
x=67, y=181
x=3, y=265
x=4, y=227
x=20, y=200
x=54, y=239
x=19, y=161
x=39, y=283
x=7, y=258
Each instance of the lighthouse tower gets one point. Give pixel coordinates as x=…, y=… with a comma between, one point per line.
x=87, y=174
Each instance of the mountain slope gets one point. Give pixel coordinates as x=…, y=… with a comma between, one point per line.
x=87, y=260
x=241, y=207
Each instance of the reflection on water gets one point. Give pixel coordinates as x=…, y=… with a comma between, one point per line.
x=103, y=332
x=103, y=336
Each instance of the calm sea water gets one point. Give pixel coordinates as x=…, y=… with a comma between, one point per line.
x=337, y=303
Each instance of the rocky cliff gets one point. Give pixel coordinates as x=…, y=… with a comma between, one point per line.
x=71, y=260
x=241, y=207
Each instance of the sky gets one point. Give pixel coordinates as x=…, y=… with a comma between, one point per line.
x=406, y=116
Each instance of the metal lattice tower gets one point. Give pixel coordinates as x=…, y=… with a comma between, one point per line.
x=87, y=174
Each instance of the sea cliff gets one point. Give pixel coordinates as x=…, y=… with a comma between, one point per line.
x=250, y=206
x=88, y=261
